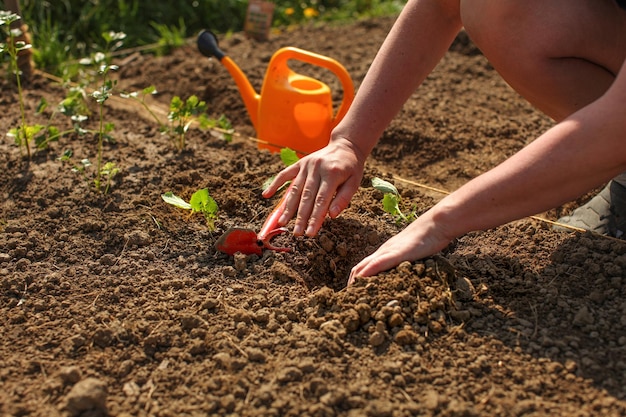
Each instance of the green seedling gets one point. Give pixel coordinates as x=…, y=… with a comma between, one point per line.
x=391, y=201
x=108, y=171
x=200, y=202
x=182, y=114
x=101, y=95
x=221, y=127
x=25, y=133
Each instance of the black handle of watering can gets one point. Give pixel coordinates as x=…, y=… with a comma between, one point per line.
x=207, y=44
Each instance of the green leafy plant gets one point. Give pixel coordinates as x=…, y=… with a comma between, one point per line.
x=25, y=133
x=101, y=95
x=200, y=202
x=107, y=172
x=220, y=127
x=391, y=201
x=68, y=106
x=182, y=114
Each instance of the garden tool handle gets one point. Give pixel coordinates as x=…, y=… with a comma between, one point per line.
x=330, y=64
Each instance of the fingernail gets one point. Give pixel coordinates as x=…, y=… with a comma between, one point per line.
x=297, y=230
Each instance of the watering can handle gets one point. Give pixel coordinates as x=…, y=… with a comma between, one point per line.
x=328, y=63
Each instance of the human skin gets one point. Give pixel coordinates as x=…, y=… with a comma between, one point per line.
x=564, y=56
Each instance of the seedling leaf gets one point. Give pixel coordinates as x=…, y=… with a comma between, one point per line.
x=200, y=199
x=384, y=186
x=391, y=205
x=288, y=156
x=171, y=198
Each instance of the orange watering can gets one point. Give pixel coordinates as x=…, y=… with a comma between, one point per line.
x=293, y=110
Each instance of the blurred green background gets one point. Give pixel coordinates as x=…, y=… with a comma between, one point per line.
x=70, y=29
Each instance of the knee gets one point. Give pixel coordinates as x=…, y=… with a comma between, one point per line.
x=504, y=30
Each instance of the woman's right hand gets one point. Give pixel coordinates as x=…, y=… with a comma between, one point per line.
x=323, y=183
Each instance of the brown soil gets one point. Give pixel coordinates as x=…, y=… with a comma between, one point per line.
x=119, y=304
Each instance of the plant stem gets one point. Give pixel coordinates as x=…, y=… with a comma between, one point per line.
x=100, y=140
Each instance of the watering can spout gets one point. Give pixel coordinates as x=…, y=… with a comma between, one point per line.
x=207, y=44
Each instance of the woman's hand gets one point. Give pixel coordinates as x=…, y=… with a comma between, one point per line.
x=424, y=237
x=323, y=182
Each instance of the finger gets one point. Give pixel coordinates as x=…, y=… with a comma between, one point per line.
x=307, y=202
x=343, y=196
x=320, y=207
x=372, y=265
x=291, y=203
x=281, y=178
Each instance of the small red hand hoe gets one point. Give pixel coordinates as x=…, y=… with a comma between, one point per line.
x=248, y=242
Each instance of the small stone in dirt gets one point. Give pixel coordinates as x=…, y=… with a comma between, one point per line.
x=103, y=337
x=229, y=272
x=240, y=261
x=223, y=359
x=190, y=321
x=333, y=328
x=108, y=259
x=4, y=257
x=465, y=290
x=406, y=337
x=70, y=374
x=138, y=238
x=256, y=355
x=87, y=395
x=583, y=317
x=376, y=339
x=262, y=316
x=289, y=374
x=210, y=303
x=327, y=244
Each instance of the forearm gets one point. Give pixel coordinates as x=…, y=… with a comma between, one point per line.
x=578, y=154
x=420, y=37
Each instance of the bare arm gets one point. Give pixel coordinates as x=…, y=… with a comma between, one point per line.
x=325, y=181
x=583, y=151
x=417, y=42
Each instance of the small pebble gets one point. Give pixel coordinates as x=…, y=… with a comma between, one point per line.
x=90, y=394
